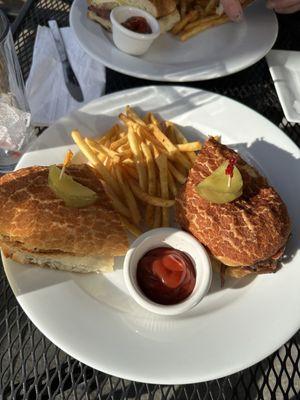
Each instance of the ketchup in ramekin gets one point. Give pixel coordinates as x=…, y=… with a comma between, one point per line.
x=166, y=275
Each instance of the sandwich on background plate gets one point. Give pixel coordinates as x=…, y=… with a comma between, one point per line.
x=247, y=235
x=164, y=11
x=37, y=227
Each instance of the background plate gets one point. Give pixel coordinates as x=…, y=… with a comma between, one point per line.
x=92, y=317
x=214, y=53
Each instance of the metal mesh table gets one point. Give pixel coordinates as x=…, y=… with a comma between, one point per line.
x=31, y=367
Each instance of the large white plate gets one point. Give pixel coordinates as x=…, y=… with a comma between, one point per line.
x=92, y=317
x=217, y=52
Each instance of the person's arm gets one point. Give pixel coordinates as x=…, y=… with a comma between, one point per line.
x=284, y=6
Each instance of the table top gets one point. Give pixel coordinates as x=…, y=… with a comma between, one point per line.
x=31, y=367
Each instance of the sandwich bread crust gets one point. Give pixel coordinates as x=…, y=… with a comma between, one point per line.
x=244, y=232
x=35, y=220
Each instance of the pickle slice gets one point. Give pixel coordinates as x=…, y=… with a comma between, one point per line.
x=71, y=192
x=215, y=187
x=218, y=197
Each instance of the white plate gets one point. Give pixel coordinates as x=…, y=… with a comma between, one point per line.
x=93, y=318
x=217, y=52
x=284, y=67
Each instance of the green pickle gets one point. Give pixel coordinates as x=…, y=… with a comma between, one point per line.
x=215, y=187
x=71, y=192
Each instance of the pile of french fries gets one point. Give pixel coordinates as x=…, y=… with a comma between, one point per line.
x=198, y=16
x=142, y=162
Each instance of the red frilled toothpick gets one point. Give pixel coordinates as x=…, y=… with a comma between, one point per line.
x=229, y=170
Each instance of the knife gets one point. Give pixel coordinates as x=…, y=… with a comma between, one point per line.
x=70, y=78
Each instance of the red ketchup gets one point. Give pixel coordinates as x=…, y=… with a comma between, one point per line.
x=137, y=24
x=166, y=275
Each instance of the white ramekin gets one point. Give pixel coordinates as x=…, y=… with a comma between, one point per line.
x=180, y=240
x=128, y=41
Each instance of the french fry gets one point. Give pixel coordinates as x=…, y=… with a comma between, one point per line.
x=135, y=148
x=118, y=143
x=154, y=120
x=188, y=147
x=131, y=171
x=108, y=134
x=200, y=21
x=189, y=17
x=188, y=33
x=67, y=161
x=146, y=118
x=181, y=139
x=157, y=214
x=151, y=181
x=147, y=198
x=117, y=203
x=170, y=147
x=134, y=116
x=171, y=134
x=172, y=184
x=129, y=197
x=130, y=227
x=157, y=217
x=96, y=162
x=103, y=150
x=177, y=174
x=124, y=148
x=162, y=163
x=150, y=168
x=211, y=6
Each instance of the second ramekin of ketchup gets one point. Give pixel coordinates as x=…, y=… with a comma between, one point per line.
x=167, y=271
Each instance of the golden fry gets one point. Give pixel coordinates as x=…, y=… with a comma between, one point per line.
x=190, y=16
x=147, y=198
x=130, y=227
x=170, y=147
x=118, y=143
x=147, y=117
x=157, y=217
x=191, y=146
x=181, y=139
x=131, y=171
x=172, y=184
x=117, y=203
x=129, y=197
x=150, y=168
x=162, y=163
x=133, y=115
x=135, y=148
x=95, y=161
x=211, y=6
x=177, y=174
x=188, y=33
x=151, y=181
x=107, y=135
x=154, y=120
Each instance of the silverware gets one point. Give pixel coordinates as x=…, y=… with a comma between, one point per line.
x=70, y=78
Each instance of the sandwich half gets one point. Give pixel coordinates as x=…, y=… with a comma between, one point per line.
x=36, y=227
x=165, y=11
x=247, y=235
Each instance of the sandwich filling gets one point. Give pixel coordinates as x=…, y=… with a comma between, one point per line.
x=103, y=10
